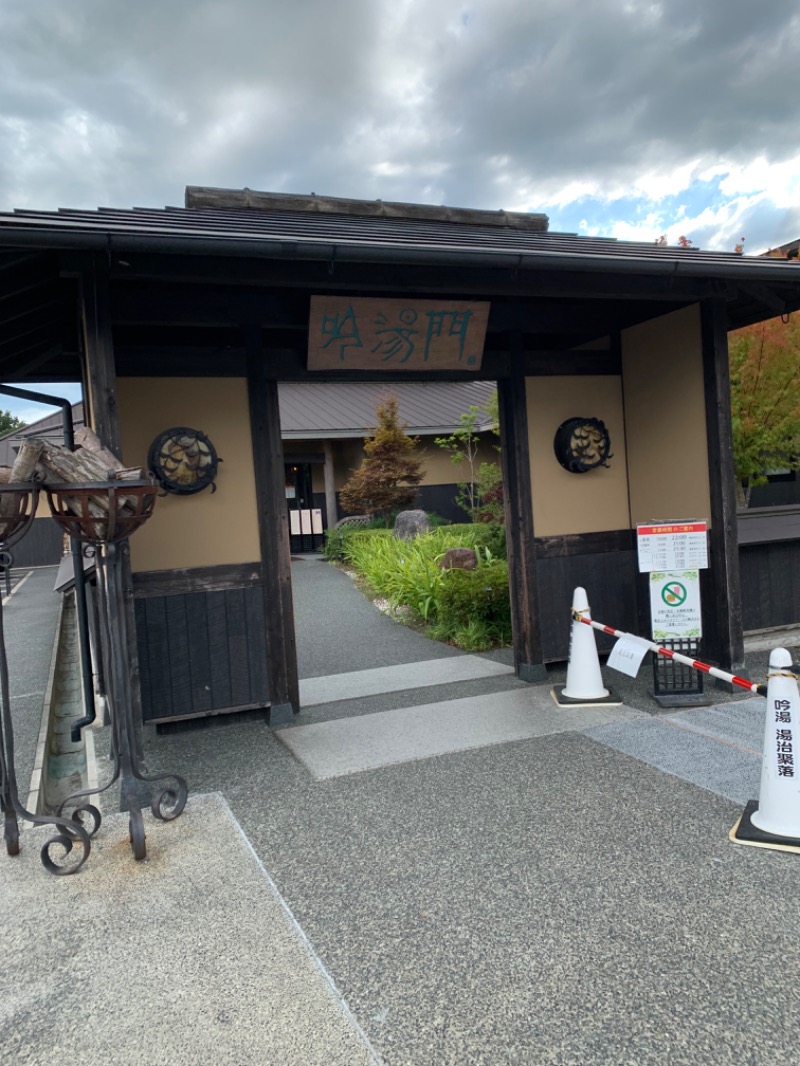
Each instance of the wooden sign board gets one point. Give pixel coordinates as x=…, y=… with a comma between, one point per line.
x=395, y=335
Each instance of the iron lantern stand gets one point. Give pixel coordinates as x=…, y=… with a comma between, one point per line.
x=105, y=514
x=18, y=504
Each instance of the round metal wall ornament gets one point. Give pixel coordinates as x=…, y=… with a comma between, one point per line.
x=582, y=444
x=183, y=461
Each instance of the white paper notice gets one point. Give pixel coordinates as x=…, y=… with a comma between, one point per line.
x=305, y=522
x=294, y=523
x=316, y=520
x=627, y=654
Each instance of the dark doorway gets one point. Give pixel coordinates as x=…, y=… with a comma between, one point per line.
x=305, y=520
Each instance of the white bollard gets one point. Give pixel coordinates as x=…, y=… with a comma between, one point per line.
x=584, y=681
x=779, y=802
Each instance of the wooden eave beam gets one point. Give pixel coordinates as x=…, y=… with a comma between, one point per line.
x=288, y=273
x=24, y=339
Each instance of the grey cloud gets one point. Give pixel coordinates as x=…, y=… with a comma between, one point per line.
x=315, y=95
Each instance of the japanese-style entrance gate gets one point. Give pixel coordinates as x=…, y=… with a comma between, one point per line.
x=192, y=317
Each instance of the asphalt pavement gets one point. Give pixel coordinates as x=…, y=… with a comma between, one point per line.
x=494, y=882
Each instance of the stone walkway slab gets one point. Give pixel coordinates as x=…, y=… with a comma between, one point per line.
x=717, y=748
x=352, y=745
x=359, y=683
x=190, y=957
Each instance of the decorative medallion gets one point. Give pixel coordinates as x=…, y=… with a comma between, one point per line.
x=582, y=444
x=183, y=461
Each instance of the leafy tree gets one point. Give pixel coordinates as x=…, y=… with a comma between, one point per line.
x=388, y=477
x=463, y=444
x=765, y=401
x=490, y=494
x=481, y=495
x=8, y=423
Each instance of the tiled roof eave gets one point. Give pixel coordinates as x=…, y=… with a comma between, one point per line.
x=61, y=231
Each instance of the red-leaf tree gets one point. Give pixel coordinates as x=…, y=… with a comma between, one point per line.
x=388, y=477
x=765, y=400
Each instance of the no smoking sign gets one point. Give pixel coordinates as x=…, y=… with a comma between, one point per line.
x=675, y=605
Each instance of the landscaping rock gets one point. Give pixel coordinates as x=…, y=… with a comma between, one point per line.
x=409, y=524
x=458, y=559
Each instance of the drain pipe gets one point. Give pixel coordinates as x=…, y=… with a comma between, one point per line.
x=77, y=560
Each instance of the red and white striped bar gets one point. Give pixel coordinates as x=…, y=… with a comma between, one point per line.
x=732, y=679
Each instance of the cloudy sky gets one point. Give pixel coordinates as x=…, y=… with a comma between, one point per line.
x=623, y=118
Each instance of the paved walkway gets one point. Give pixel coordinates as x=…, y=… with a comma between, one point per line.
x=562, y=894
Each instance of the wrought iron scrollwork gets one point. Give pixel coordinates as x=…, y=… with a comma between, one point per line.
x=17, y=508
x=127, y=506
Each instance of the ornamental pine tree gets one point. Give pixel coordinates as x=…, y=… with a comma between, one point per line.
x=388, y=477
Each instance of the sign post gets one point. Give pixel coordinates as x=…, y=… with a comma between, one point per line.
x=673, y=553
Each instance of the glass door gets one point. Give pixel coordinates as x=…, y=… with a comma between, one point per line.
x=305, y=521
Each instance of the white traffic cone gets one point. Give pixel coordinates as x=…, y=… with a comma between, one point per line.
x=584, y=687
x=778, y=811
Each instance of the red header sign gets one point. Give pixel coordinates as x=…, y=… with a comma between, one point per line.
x=686, y=527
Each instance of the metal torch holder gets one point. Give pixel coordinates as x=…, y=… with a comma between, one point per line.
x=103, y=514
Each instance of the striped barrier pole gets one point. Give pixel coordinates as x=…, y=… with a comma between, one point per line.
x=732, y=679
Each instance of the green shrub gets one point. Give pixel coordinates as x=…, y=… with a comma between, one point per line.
x=473, y=606
x=469, y=608
x=335, y=539
x=478, y=535
x=491, y=535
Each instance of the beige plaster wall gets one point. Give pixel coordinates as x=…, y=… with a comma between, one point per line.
x=347, y=456
x=576, y=503
x=662, y=372
x=206, y=529
x=438, y=467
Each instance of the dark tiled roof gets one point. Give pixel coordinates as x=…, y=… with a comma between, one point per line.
x=319, y=411
x=326, y=410
x=313, y=234
x=49, y=427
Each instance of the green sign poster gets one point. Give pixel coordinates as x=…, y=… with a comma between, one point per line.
x=675, y=605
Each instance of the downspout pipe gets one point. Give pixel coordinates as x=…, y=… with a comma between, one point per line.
x=77, y=560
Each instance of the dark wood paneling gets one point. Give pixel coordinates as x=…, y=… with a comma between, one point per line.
x=256, y=643
x=199, y=652
x=196, y=579
x=219, y=655
x=770, y=585
x=610, y=582
x=612, y=540
x=178, y=648
x=202, y=653
x=237, y=646
x=153, y=644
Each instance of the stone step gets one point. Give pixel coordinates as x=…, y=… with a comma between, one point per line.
x=359, y=684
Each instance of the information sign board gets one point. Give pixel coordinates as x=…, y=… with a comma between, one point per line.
x=672, y=546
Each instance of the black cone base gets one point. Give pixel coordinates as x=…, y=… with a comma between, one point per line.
x=744, y=832
x=611, y=700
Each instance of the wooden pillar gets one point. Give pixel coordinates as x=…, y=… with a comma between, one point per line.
x=100, y=398
x=522, y=578
x=99, y=371
x=724, y=641
x=273, y=529
x=330, y=485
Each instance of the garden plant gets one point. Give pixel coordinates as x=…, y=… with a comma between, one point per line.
x=467, y=608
